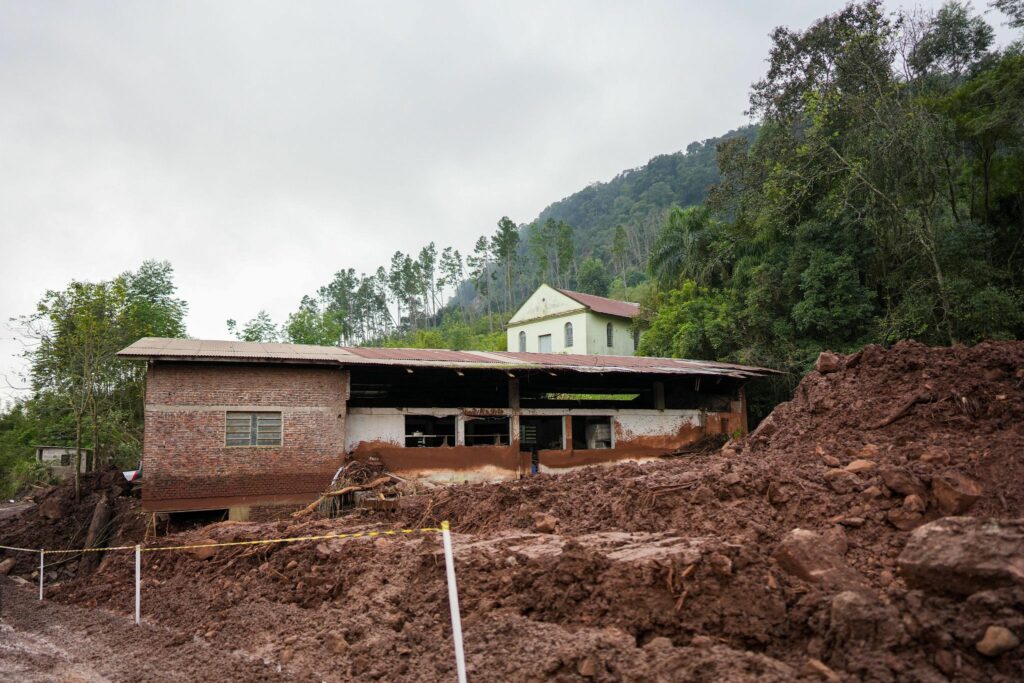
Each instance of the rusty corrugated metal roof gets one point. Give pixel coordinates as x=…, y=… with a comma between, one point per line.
x=208, y=350
x=601, y=304
x=443, y=355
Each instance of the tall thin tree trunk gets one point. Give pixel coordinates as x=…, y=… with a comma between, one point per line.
x=78, y=456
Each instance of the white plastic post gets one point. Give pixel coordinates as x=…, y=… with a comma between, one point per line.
x=453, y=602
x=42, y=556
x=138, y=584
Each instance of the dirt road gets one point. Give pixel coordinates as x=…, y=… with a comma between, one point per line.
x=47, y=641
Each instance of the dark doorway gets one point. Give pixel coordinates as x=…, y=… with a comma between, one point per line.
x=540, y=433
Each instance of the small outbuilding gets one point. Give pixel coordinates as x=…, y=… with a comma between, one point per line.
x=60, y=460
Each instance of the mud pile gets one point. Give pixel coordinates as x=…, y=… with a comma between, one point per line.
x=851, y=537
x=57, y=521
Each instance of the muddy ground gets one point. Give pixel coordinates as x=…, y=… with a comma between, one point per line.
x=865, y=531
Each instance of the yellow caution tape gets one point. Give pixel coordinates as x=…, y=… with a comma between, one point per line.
x=262, y=541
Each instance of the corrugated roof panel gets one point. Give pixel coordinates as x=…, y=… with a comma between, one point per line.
x=442, y=355
x=601, y=304
x=209, y=350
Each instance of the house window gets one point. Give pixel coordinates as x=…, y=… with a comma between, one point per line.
x=522, y=342
x=544, y=343
x=636, y=338
x=253, y=429
x=608, y=334
x=65, y=459
x=568, y=335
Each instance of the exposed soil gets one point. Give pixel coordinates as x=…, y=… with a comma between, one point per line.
x=683, y=569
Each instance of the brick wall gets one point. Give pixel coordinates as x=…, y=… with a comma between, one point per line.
x=184, y=455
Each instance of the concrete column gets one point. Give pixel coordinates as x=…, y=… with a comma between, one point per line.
x=460, y=429
x=659, y=396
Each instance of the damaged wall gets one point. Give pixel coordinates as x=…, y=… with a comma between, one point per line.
x=638, y=435
x=186, y=464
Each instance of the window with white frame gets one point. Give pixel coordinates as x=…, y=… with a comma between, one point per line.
x=568, y=335
x=608, y=333
x=522, y=342
x=243, y=428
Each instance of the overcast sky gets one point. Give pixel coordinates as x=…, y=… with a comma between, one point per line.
x=260, y=147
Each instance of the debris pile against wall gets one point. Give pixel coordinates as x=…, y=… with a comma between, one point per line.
x=105, y=514
x=833, y=543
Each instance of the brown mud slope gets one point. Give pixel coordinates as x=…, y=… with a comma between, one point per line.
x=864, y=532
x=56, y=521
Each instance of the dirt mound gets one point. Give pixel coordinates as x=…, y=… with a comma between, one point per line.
x=57, y=522
x=785, y=554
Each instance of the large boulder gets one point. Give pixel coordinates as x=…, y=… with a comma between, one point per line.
x=811, y=557
x=963, y=555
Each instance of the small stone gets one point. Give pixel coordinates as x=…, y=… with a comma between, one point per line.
x=587, y=667
x=836, y=537
x=841, y=481
x=544, y=523
x=904, y=519
x=935, y=455
x=997, y=640
x=6, y=566
x=815, y=668
x=855, y=522
x=945, y=661
x=336, y=643
x=292, y=565
x=914, y=503
x=902, y=481
x=286, y=655
x=209, y=634
x=869, y=450
x=203, y=553
x=955, y=493
x=831, y=460
x=870, y=493
x=721, y=565
x=861, y=466
x=291, y=640
x=828, y=362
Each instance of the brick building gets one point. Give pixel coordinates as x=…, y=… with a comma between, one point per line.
x=233, y=425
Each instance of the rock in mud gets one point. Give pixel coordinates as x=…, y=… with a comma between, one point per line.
x=817, y=669
x=842, y=481
x=902, y=481
x=955, y=493
x=996, y=641
x=828, y=362
x=6, y=566
x=857, y=620
x=861, y=465
x=904, y=519
x=963, y=555
x=807, y=555
x=544, y=523
x=336, y=643
x=203, y=553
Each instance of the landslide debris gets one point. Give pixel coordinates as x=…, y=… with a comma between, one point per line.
x=105, y=514
x=765, y=561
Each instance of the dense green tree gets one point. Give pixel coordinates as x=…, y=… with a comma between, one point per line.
x=593, y=277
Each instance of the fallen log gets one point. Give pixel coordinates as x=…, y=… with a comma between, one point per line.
x=380, y=481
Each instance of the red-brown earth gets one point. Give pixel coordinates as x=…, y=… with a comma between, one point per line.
x=778, y=556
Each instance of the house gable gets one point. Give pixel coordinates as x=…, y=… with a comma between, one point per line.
x=545, y=302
